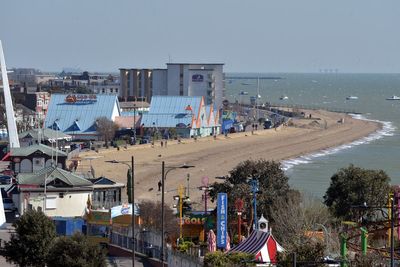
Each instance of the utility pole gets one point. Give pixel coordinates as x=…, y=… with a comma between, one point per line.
x=133, y=211
x=162, y=211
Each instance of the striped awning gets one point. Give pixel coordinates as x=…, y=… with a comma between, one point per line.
x=253, y=244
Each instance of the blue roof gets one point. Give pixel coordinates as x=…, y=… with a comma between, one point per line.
x=80, y=116
x=167, y=120
x=174, y=104
x=171, y=111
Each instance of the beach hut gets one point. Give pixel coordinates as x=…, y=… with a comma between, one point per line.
x=262, y=245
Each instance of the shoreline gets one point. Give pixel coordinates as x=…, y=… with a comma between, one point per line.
x=214, y=158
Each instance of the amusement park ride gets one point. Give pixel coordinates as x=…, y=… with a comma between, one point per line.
x=360, y=231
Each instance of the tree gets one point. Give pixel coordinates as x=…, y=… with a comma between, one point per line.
x=106, y=128
x=273, y=188
x=309, y=214
x=75, y=251
x=30, y=244
x=354, y=186
x=129, y=185
x=150, y=216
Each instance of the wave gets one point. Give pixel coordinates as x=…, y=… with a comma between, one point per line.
x=387, y=129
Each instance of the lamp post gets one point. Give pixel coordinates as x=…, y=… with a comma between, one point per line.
x=239, y=209
x=45, y=193
x=205, y=187
x=134, y=122
x=254, y=189
x=163, y=178
x=131, y=168
x=180, y=198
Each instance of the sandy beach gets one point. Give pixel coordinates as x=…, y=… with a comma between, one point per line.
x=213, y=158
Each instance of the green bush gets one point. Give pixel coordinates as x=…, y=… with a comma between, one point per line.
x=185, y=245
x=222, y=259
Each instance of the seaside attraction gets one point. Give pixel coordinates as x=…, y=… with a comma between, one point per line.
x=188, y=116
x=77, y=114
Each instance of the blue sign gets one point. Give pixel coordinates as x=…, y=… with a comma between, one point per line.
x=222, y=219
x=197, y=78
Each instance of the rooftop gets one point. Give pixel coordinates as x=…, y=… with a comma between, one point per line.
x=53, y=176
x=26, y=151
x=46, y=134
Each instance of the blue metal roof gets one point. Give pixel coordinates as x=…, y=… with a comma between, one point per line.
x=167, y=120
x=171, y=111
x=174, y=104
x=80, y=116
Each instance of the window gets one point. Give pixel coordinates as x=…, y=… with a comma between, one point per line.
x=51, y=203
x=116, y=90
x=111, y=90
x=115, y=195
x=103, y=90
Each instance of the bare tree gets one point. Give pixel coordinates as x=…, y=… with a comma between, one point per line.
x=299, y=218
x=150, y=213
x=106, y=128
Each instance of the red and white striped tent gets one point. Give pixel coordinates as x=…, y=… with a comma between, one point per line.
x=262, y=245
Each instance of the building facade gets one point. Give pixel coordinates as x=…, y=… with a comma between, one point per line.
x=178, y=79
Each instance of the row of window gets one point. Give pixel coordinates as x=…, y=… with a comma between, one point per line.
x=112, y=90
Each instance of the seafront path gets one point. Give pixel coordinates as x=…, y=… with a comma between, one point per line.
x=213, y=158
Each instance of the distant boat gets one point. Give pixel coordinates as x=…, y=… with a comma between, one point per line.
x=246, y=83
x=352, y=97
x=243, y=93
x=395, y=97
x=284, y=97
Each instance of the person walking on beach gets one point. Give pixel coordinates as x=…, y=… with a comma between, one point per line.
x=159, y=186
x=162, y=143
x=165, y=143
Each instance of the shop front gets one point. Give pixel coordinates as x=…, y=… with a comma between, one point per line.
x=195, y=224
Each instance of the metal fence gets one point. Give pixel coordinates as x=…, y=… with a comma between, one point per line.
x=144, y=246
x=177, y=259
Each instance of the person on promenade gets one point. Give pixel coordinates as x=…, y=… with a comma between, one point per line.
x=159, y=186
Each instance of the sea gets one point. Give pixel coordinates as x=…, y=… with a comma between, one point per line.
x=379, y=151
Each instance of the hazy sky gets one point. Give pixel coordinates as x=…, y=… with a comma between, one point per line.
x=248, y=36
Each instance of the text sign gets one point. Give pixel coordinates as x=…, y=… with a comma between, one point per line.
x=197, y=78
x=222, y=219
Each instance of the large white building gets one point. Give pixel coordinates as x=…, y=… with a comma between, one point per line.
x=178, y=79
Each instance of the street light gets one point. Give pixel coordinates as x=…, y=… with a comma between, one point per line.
x=180, y=198
x=131, y=168
x=254, y=189
x=163, y=178
x=206, y=188
x=134, y=123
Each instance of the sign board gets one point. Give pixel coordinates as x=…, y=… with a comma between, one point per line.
x=222, y=219
x=197, y=78
x=80, y=99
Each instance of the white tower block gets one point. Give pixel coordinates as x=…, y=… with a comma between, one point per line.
x=11, y=125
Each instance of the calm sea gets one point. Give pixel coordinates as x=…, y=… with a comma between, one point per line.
x=381, y=150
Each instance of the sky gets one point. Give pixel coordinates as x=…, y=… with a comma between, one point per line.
x=248, y=36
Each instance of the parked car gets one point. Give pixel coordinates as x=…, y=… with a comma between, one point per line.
x=8, y=204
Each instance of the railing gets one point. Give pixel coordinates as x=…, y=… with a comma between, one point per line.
x=141, y=246
x=309, y=107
